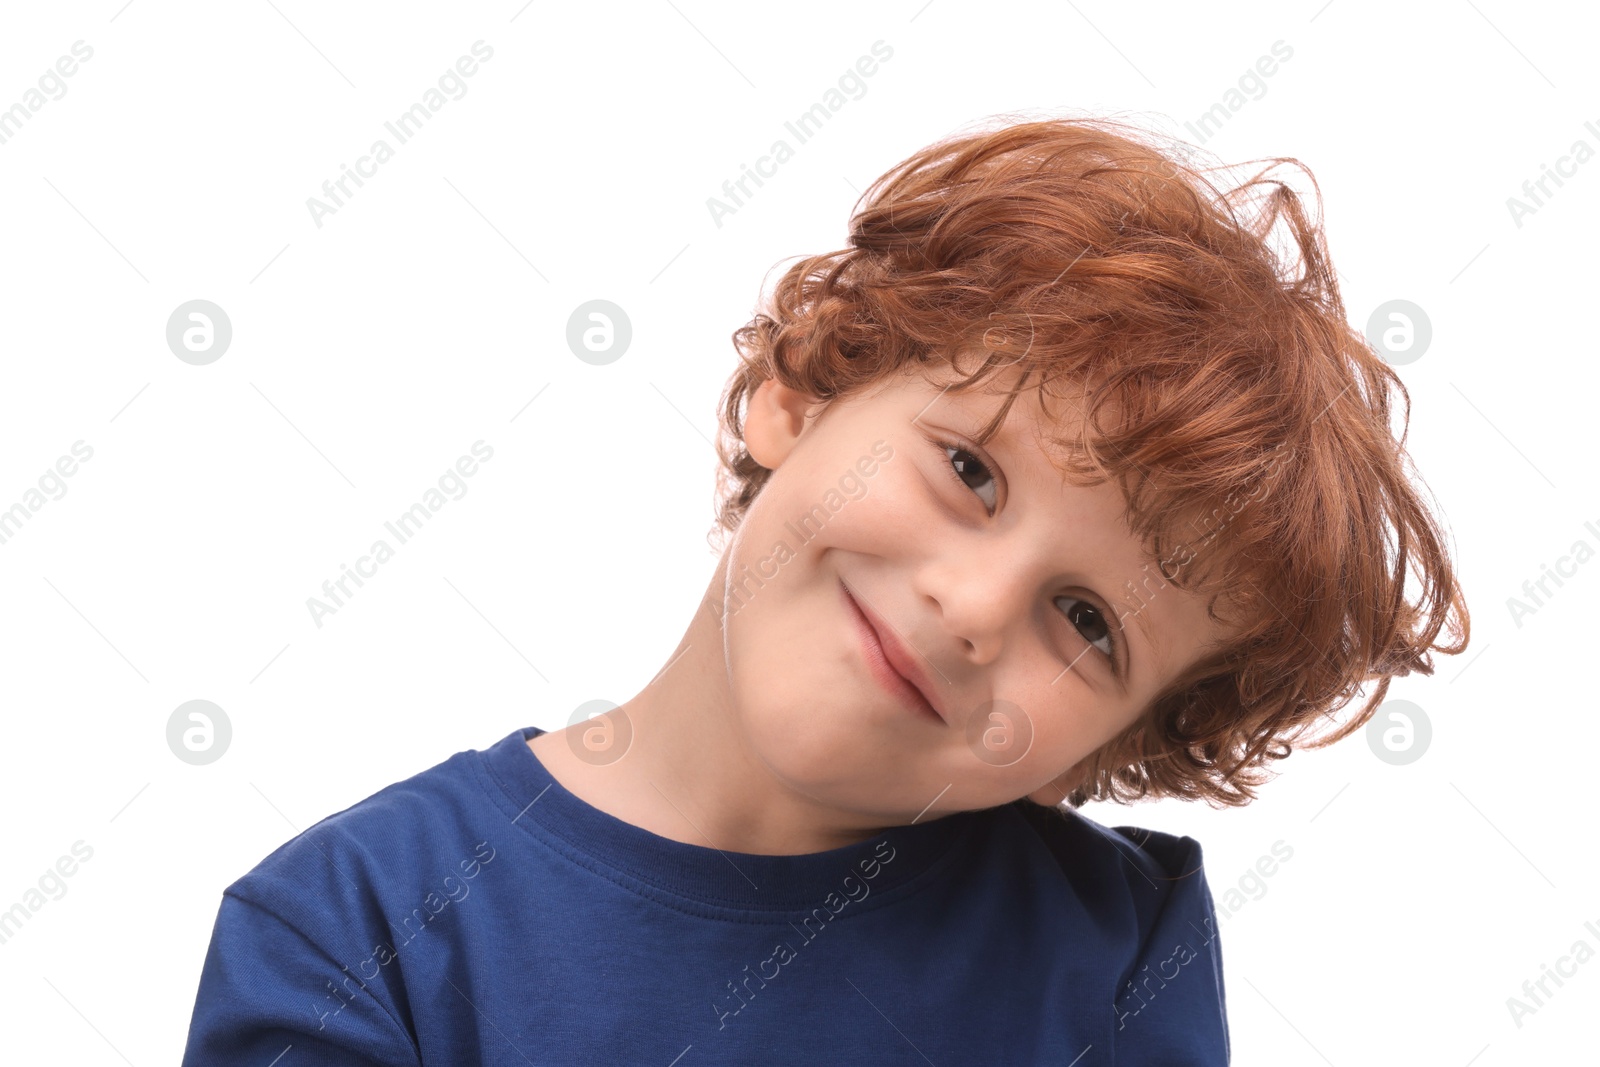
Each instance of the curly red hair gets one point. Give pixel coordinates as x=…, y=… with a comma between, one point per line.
x=1090, y=252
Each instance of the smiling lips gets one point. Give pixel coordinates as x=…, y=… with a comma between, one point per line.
x=894, y=669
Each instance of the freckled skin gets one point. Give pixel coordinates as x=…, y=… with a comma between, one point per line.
x=765, y=731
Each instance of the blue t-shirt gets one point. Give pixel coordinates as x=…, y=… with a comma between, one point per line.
x=480, y=913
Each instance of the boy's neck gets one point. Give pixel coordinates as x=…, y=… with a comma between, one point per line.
x=687, y=774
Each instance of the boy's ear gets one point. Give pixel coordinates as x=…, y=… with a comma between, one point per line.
x=775, y=417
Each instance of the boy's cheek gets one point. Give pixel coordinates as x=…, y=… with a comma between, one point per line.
x=1070, y=725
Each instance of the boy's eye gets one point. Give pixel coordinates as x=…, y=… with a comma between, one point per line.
x=969, y=471
x=1091, y=623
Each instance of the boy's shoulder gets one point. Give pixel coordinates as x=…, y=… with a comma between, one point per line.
x=434, y=818
x=1121, y=868
x=1147, y=853
x=1148, y=889
x=332, y=912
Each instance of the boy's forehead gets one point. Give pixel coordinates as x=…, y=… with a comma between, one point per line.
x=1027, y=422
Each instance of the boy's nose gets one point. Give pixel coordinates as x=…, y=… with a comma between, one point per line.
x=971, y=608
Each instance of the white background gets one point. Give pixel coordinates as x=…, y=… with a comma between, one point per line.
x=426, y=314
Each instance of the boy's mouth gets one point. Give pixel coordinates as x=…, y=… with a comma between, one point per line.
x=889, y=662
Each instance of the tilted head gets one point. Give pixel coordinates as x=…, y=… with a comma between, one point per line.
x=1178, y=354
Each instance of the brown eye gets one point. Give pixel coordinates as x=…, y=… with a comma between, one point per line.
x=1091, y=624
x=970, y=472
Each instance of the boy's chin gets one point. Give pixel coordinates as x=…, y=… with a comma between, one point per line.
x=833, y=763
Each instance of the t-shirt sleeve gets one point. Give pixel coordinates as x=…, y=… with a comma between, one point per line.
x=1171, y=1005
x=266, y=989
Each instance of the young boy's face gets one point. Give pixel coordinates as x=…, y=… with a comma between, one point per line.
x=1021, y=625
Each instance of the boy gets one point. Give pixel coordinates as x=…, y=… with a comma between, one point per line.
x=1056, y=485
